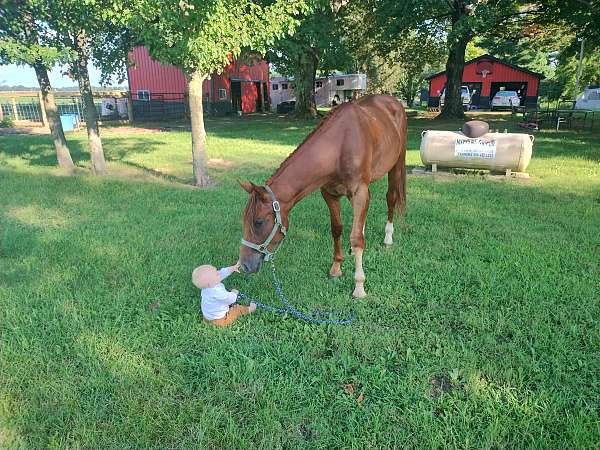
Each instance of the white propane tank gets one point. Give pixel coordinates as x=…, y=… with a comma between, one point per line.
x=492, y=151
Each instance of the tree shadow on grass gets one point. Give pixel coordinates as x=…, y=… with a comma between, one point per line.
x=39, y=150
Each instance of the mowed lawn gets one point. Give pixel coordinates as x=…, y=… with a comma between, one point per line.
x=480, y=329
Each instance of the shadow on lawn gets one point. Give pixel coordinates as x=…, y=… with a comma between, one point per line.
x=39, y=150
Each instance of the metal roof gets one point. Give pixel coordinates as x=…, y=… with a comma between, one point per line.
x=493, y=58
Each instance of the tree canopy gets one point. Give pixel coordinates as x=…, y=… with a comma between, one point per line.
x=317, y=45
x=459, y=21
x=202, y=37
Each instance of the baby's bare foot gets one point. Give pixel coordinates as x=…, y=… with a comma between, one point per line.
x=252, y=307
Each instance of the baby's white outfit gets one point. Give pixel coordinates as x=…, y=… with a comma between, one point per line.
x=216, y=300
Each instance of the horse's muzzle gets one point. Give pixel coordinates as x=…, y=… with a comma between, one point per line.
x=251, y=262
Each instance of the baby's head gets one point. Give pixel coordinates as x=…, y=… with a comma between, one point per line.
x=205, y=276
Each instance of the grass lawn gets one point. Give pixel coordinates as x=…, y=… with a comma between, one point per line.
x=480, y=329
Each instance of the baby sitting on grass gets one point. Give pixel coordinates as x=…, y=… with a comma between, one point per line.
x=218, y=304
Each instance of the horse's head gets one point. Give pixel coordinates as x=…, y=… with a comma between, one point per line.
x=260, y=223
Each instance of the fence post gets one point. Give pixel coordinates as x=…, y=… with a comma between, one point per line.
x=1, y=113
x=14, y=108
x=43, y=110
x=130, y=107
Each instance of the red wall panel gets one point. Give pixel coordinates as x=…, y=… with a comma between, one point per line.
x=148, y=74
x=160, y=79
x=500, y=72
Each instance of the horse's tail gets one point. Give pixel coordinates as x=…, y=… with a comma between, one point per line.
x=397, y=176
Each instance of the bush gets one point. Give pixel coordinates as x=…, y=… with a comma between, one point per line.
x=7, y=122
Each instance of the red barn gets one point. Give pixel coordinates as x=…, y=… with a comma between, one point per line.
x=486, y=75
x=158, y=89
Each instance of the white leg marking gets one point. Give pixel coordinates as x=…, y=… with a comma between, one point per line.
x=389, y=232
x=359, y=275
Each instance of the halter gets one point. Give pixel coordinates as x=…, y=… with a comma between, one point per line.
x=278, y=225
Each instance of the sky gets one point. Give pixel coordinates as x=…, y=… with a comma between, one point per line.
x=14, y=75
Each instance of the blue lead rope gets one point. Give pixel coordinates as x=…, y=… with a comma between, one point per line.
x=316, y=317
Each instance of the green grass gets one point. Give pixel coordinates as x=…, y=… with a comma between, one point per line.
x=480, y=329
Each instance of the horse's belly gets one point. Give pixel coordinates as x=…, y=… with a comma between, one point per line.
x=382, y=165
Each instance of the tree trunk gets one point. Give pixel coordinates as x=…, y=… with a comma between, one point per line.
x=91, y=115
x=453, y=107
x=58, y=136
x=457, y=45
x=409, y=90
x=306, y=73
x=199, y=160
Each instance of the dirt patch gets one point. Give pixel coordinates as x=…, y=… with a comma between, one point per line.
x=219, y=163
x=440, y=384
x=132, y=130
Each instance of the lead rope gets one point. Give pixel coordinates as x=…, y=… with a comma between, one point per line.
x=316, y=317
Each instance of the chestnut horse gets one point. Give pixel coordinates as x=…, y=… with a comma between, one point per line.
x=355, y=145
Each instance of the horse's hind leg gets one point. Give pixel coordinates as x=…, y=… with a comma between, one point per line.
x=333, y=203
x=360, y=205
x=396, y=197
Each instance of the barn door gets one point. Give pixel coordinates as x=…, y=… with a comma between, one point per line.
x=236, y=95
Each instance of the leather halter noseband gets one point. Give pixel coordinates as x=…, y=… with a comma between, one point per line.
x=278, y=225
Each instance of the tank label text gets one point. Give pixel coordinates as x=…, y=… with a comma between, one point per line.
x=475, y=148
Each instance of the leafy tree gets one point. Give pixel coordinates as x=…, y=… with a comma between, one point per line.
x=459, y=20
x=20, y=44
x=316, y=46
x=91, y=30
x=582, y=15
x=418, y=55
x=392, y=65
x=566, y=70
x=201, y=37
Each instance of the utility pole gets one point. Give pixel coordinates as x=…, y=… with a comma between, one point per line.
x=579, y=68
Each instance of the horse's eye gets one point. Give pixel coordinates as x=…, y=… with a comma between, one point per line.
x=259, y=223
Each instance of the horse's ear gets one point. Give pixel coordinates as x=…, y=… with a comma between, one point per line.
x=247, y=186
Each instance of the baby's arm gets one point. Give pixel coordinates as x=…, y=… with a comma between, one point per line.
x=226, y=271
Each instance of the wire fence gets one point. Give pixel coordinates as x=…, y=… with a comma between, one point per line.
x=164, y=105
x=29, y=108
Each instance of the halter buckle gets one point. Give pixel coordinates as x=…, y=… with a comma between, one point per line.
x=276, y=206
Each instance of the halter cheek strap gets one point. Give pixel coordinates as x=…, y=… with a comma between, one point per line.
x=277, y=226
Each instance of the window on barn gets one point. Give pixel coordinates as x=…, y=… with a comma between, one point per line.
x=222, y=94
x=319, y=84
x=143, y=95
x=275, y=86
x=339, y=82
x=284, y=86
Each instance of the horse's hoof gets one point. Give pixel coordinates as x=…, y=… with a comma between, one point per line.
x=359, y=292
x=333, y=274
x=386, y=245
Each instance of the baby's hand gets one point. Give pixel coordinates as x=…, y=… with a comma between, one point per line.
x=235, y=291
x=236, y=267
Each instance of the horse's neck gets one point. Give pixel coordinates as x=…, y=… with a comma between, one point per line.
x=300, y=176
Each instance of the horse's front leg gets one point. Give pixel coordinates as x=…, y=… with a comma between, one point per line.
x=333, y=203
x=360, y=205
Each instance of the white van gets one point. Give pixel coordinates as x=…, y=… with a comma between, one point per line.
x=590, y=98
x=465, y=95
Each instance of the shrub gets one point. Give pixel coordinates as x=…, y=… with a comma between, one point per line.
x=7, y=122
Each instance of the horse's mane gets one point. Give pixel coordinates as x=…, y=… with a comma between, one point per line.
x=250, y=211
x=325, y=121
